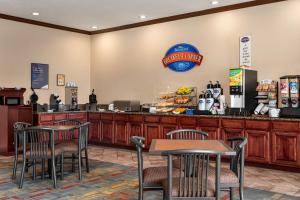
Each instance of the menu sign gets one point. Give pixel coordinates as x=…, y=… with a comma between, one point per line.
x=245, y=51
x=39, y=76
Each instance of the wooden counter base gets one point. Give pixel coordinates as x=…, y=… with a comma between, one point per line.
x=271, y=143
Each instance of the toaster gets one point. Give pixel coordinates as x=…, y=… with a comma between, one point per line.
x=127, y=105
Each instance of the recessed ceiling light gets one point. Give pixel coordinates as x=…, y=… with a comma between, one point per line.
x=143, y=16
x=214, y=2
x=94, y=27
x=35, y=13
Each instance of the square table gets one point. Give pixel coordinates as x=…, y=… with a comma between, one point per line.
x=160, y=145
x=57, y=127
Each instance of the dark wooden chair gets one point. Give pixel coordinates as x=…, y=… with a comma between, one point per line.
x=18, y=129
x=233, y=177
x=194, y=184
x=185, y=134
x=68, y=138
x=149, y=178
x=76, y=148
x=41, y=148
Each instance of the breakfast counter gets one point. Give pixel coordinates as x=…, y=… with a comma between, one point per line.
x=273, y=142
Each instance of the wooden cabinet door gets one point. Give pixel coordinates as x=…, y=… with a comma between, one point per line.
x=78, y=116
x=166, y=128
x=213, y=133
x=120, y=133
x=94, y=135
x=286, y=148
x=231, y=133
x=188, y=123
x=45, y=119
x=134, y=129
x=258, y=147
x=107, y=131
x=151, y=131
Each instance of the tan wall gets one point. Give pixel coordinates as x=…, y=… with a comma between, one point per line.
x=65, y=52
x=127, y=64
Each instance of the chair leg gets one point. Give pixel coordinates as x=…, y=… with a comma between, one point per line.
x=73, y=162
x=43, y=169
x=241, y=191
x=79, y=165
x=34, y=169
x=54, y=173
x=231, y=193
x=22, y=173
x=27, y=165
x=62, y=167
x=49, y=168
x=164, y=195
x=15, y=165
x=141, y=193
x=87, y=161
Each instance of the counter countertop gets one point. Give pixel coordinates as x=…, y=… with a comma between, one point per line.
x=182, y=115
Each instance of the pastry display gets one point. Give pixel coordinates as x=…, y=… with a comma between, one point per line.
x=182, y=100
x=164, y=110
x=179, y=110
x=179, y=101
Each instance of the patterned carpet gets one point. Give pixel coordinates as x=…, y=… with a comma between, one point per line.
x=106, y=181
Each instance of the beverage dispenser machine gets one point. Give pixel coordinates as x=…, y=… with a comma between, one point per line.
x=71, y=98
x=242, y=91
x=290, y=96
x=289, y=91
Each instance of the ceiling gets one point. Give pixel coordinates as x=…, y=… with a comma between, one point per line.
x=83, y=14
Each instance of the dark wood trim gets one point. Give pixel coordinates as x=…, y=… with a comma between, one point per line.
x=145, y=23
x=188, y=15
x=39, y=23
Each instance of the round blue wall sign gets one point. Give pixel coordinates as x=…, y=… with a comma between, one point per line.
x=182, y=57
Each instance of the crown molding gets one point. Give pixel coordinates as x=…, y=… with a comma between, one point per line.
x=44, y=24
x=145, y=23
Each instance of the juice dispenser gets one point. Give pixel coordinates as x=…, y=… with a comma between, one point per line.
x=242, y=84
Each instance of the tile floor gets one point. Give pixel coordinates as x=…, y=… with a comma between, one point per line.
x=258, y=178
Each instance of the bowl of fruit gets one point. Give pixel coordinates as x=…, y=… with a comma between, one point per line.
x=184, y=90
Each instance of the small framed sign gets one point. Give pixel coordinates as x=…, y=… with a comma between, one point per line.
x=60, y=80
x=39, y=76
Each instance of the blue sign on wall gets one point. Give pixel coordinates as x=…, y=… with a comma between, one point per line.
x=39, y=76
x=182, y=57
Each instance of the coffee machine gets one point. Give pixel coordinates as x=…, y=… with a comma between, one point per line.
x=242, y=91
x=290, y=96
x=71, y=98
x=54, y=102
x=92, y=105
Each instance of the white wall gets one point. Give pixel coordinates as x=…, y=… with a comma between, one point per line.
x=127, y=64
x=66, y=53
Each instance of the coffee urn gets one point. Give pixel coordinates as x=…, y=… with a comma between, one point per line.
x=202, y=102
